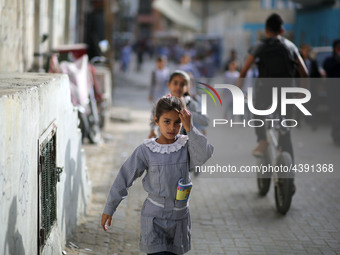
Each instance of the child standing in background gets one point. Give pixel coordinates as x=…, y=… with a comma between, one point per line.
x=178, y=86
x=159, y=80
x=165, y=218
x=231, y=77
x=125, y=57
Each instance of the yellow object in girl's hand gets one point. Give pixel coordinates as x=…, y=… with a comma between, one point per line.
x=183, y=190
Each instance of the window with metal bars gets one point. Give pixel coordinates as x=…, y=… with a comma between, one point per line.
x=48, y=178
x=48, y=186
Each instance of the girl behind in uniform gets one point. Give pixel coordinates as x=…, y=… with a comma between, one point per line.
x=178, y=86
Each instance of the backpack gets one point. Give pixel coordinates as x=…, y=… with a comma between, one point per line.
x=276, y=60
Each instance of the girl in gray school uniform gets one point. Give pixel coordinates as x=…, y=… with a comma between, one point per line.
x=178, y=86
x=165, y=217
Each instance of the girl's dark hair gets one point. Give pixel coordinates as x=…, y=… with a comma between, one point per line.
x=167, y=104
x=180, y=73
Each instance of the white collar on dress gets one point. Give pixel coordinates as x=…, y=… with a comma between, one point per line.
x=166, y=148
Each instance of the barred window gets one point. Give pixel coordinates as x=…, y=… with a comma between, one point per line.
x=48, y=178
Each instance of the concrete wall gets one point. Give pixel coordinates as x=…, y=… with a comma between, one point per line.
x=240, y=23
x=22, y=25
x=16, y=34
x=29, y=104
x=241, y=28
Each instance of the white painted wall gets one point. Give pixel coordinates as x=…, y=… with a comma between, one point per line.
x=29, y=103
x=22, y=24
x=229, y=25
x=16, y=34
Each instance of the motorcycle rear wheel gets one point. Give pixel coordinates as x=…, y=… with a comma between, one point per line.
x=284, y=186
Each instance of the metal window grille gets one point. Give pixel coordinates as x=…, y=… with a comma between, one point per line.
x=48, y=178
x=48, y=186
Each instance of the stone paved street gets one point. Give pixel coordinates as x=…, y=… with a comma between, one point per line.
x=228, y=216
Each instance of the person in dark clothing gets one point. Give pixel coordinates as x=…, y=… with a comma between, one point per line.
x=331, y=66
x=311, y=63
x=276, y=57
x=313, y=71
x=232, y=57
x=94, y=33
x=140, y=48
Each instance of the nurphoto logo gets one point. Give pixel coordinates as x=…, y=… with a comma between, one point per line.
x=204, y=97
x=238, y=103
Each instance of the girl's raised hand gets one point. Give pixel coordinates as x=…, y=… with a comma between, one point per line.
x=106, y=218
x=185, y=117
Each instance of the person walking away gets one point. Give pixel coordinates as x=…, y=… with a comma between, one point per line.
x=230, y=76
x=165, y=217
x=331, y=66
x=125, y=57
x=313, y=72
x=276, y=57
x=232, y=57
x=140, y=48
x=159, y=80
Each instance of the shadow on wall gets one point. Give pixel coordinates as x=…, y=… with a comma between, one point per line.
x=13, y=237
x=73, y=185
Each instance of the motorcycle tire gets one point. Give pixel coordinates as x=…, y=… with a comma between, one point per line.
x=263, y=179
x=284, y=186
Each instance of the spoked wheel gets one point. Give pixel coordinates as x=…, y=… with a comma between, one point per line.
x=263, y=179
x=284, y=185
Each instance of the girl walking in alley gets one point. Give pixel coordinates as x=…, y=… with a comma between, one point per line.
x=179, y=87
x=165, y=217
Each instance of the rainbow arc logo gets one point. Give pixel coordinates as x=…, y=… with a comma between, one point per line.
x=204, y=97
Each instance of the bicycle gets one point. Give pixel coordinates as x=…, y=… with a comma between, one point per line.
x=278, y=159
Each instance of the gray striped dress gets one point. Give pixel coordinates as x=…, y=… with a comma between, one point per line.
x=165, y=221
